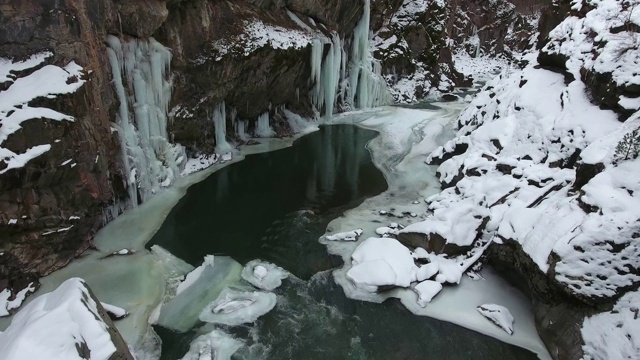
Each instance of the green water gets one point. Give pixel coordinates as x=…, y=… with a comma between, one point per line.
x=274, y=207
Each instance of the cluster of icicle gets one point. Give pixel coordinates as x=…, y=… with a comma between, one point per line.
x=357, y=83
x=141, y=76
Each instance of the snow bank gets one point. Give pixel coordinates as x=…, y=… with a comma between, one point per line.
x=498, y=315
x=614, y=334
x=57, y=325
x=264, y=275
x=235, y=308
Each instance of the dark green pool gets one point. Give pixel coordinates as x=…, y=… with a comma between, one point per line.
x=274, y=207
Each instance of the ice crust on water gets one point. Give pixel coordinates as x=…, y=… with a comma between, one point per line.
x=264, y=275
x=216, y=345
x=236, y=307
x=55, y=324
x=345, y=236
x=499, y=315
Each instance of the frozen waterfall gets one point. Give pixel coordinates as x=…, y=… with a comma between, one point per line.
x=141, y=76
x=360, y=84
x=219, y=119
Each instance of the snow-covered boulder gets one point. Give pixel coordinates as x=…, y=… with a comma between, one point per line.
x=498, y=315
x=264, y=275
x=235, y=307
x=67, y=323
x=426, y=291
x=382, y=262
x=453, y=228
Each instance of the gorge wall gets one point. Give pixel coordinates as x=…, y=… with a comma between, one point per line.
x=235, y=66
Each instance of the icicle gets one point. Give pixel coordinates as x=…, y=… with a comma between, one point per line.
x=242, y=128
x=141, y=79
x=219, y=118
x=360, y=84
x=263, y=129
x=367, y=87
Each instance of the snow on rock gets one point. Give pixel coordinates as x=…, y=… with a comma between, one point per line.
x=614, y=334
x=382, y=262
x=193, y=276
x=603, y=40
x=345, y=236
x=257, y=34
x=216, y=345
x=235, y=308
x=426, y=291
x=427, y=271
x=48, y=81
x=7, y=305
x=115, y=312
x=264, y=275
x=198, y=163
x=63, y=324
x=498, y=315
x=513, y=161
x=457, y=221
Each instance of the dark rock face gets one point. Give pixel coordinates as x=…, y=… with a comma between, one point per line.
x=558, y=315
x=140, y=18
x=43, y=196
x=501, y=26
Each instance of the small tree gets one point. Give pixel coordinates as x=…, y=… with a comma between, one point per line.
x=629, y=147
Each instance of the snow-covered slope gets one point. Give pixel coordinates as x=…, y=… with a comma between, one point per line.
x=67, y=323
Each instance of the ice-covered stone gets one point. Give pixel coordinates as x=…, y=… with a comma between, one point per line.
x=427, y=290
x=498, y=315
x=235, y=307
x=264, y=275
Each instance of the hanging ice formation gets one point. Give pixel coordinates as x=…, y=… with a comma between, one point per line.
x=362, y=87
x=475, y=41
x=219, y=118
x=141, y=71
x=263, y=129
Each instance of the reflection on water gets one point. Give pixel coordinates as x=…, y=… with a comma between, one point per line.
x=274, y=206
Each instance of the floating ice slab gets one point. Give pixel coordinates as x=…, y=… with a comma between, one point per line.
x=264, y=275
x=426, y=291
x=193, y=276
x=181, y=312
x=235, y=307
x=114, y=311
x=216, y=345
x=498, y=315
